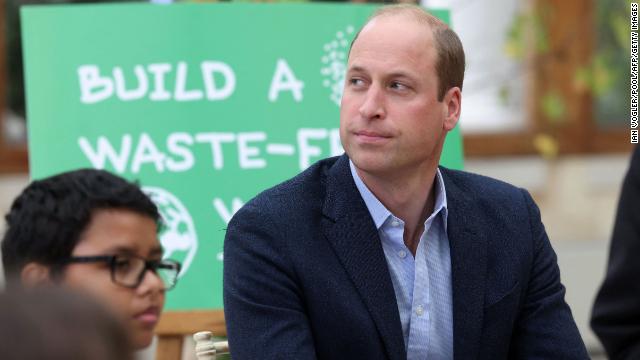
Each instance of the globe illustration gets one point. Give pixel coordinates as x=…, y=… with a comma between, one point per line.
x=177, y=233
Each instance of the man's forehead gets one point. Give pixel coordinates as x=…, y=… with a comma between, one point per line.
x=396, y=21
x=396, y=28
x=391, y=35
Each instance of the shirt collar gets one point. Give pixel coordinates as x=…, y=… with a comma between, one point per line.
x=379, y=213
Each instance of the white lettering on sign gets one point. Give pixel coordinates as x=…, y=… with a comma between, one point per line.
x=248, y=154
x=216, y=140
x=335, y=142
x=306, y=149
x=160, y=92
x=223, y=211
x=178, y=144
x=285, y=80
x=93, y=87
x=252, y=150
x=121, y=88
x=181, y=93
x=96, y=87
x=209, y=69
x=147, y=153
x=104, y=151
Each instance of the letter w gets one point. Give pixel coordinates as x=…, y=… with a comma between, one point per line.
x=106, y=152
x=222, y=210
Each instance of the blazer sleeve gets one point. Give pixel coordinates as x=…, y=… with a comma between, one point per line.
x=263, y=306
x=545, y=328
x=616, y=312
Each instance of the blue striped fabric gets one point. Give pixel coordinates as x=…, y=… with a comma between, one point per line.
x=422, y=284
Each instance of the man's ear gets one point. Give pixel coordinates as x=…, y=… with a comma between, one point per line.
x=35, y=274
x=453, y=102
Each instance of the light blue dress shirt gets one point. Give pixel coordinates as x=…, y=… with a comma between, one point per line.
x=422, y=284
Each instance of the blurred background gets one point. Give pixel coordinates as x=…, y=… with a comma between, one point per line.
x=545, y=107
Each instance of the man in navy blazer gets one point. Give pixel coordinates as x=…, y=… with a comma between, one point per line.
x=382, y=254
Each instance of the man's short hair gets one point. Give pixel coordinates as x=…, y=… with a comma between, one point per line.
x=450, y=62
x=46, y=220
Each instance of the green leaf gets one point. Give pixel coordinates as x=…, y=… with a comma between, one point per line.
x=553, y=107
x=620, y=25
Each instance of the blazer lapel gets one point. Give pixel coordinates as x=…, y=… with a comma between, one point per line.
x=348, y=226
x=468, y=244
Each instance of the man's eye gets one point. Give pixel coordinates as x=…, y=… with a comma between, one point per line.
x=356, y=82
x=398, y=86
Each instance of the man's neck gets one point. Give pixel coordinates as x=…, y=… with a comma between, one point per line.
x=410, y=197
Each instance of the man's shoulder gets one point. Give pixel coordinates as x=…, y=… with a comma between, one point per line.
x=481, y=187
x=306, y=189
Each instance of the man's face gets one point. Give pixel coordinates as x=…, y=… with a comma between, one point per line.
x=390, y=118
x=120, y=232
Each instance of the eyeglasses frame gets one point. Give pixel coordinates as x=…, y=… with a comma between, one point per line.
x=152, y=265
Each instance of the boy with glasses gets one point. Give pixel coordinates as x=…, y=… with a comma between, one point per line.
x=94, y=232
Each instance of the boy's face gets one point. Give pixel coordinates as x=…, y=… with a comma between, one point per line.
x=120, y=232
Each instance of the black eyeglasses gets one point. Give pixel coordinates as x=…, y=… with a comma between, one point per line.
x=129, y=270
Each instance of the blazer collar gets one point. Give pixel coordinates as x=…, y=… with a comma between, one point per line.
x=468, y=244
x=348, y=227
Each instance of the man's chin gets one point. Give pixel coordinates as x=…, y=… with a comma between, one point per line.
x=373, y=164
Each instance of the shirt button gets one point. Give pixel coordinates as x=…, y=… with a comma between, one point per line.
x=395, y=223
x=419, y=310
x=402, y=254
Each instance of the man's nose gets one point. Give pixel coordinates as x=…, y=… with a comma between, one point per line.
x=373, y=105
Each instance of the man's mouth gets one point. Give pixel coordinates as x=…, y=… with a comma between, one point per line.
x=371, y=136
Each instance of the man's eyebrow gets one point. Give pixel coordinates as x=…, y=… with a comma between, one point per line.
x=356, y=68
x=401, y=74
x=396, y=74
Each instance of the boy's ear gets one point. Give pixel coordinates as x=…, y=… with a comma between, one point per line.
x=35, y=274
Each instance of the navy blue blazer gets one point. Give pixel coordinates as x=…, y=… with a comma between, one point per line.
x=305, y=276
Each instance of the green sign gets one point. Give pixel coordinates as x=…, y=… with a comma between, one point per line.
x=205, y=104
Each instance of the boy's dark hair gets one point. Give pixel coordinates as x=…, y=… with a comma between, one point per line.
x=46, y=220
